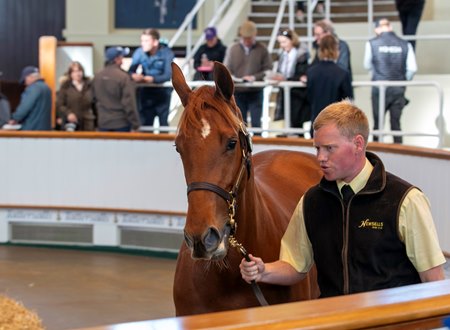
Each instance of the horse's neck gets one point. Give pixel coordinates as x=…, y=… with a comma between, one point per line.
x=250, y=213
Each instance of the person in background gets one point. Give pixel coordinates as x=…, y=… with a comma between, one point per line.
x=323, y=28
x=292, y=66
x=112, y=90
x=378, y=228
x=301, y=9
x=410, y=12
x=74, y=100
x=248, y=60
x=5, y=110
x=154, y=59
x=212, y=50
x=388, y=57
x=327, y=81
x=34, y=110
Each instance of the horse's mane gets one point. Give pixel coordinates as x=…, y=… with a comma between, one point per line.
x=204, y=99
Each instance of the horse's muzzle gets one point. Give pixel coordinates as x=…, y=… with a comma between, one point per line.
x=211, y=245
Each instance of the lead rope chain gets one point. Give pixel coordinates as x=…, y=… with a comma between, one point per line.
x=234, y=243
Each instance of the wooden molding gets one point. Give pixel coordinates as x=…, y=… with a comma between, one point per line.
x=47, y=66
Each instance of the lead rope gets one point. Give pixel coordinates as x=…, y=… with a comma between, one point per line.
x=234, y=243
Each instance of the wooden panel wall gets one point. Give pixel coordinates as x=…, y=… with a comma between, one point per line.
x=22, y=22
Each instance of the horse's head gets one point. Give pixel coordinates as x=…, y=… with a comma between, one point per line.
x=215, y=150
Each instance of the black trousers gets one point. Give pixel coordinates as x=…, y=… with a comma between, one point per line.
x=395, y=101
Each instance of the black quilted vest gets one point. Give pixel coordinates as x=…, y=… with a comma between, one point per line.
x=359, y=249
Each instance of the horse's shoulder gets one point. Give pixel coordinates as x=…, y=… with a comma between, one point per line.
x=285, y=172
x=284, y=160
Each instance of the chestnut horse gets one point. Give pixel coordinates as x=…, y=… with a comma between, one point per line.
x=226, y=184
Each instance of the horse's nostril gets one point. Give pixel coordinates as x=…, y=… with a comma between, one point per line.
x=188, y=240
x=211, y=239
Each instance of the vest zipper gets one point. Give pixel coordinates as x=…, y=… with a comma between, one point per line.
x=345, y=224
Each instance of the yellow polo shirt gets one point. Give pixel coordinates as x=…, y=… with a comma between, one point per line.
x=416, y=230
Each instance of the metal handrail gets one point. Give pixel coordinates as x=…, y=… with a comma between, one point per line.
x=287, y=85
x=187, y=25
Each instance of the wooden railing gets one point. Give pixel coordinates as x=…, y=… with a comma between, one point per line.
x=422, y=306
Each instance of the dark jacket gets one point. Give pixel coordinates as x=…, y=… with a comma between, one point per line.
x=327, y=83
x=215, y=53
x=389, y=53
x=359, y=249
x=113, y=93
x=70, y=100
x=35, y=107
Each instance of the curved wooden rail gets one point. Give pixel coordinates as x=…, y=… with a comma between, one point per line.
x=421, y=306
x=374, y=146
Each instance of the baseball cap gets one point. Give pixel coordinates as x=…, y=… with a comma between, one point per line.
x=26, y=72
x=112, y=52
x=210, y=33
x=247, y=29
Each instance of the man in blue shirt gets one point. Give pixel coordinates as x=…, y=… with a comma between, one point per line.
x=155, y=60
x=35, y=107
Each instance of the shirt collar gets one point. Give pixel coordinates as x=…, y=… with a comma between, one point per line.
x=360, y=181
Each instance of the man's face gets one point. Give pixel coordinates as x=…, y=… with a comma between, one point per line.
x=248, y=41
x=319, y=33
x=148, y=43
x=337, y=155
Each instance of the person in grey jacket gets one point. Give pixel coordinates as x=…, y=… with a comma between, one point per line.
x=35, y=107
x=113, y=94
x=247, y=61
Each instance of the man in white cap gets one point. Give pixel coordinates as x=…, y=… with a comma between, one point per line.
x=113, y=94
x=248, y=59
x=34, y=110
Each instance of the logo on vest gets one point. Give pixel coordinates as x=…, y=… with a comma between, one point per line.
x=377, y=225
x=390, y=49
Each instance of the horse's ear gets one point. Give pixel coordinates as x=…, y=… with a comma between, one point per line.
x=179, y=83
x=224, y=82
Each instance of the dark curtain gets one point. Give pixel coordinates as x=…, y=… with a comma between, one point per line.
x=22, y=22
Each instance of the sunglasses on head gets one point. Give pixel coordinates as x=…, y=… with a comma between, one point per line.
x=285, y=33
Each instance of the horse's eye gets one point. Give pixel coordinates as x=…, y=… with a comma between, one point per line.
x=231, y=144
x=176, y=148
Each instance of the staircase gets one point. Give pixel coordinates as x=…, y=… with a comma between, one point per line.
x=343, y=11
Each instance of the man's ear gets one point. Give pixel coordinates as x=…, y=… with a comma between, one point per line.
x=360, y=143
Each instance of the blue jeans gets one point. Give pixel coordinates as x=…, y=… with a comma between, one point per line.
x=250, y=102
x=154, y=102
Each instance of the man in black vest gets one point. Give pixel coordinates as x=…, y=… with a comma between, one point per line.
x=364, y=228
x=389, y=57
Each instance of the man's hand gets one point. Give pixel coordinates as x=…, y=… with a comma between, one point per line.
x=252, y=270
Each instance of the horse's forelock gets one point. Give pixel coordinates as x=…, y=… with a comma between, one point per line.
x=204, y=99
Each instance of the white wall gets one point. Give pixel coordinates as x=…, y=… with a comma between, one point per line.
x=148, y=176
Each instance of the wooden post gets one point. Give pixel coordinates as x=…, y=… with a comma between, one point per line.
x=47, y=66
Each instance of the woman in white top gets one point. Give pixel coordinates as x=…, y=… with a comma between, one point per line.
x=292, y=65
